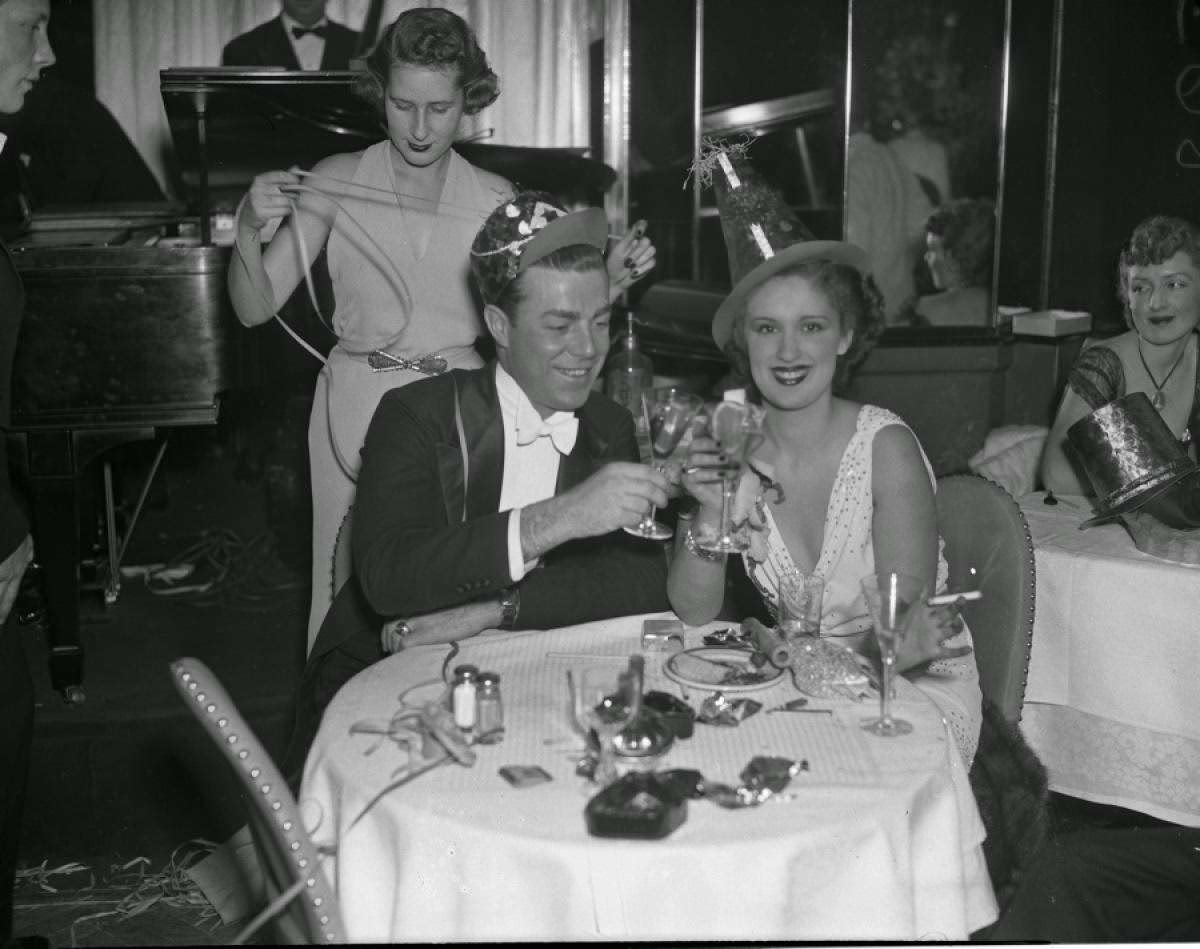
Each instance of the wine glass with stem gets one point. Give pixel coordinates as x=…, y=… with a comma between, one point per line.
x=667, y=413
x=604, y=702
x=737, y=429
x=892, y=599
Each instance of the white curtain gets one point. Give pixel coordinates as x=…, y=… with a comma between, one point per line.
x=538, y=48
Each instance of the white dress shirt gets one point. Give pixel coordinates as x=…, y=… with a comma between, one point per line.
x=530, y=471
x=309, y=48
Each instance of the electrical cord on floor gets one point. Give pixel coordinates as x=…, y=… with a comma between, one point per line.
x=224, y=571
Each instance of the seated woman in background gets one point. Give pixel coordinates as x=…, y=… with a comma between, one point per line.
x=1158, y=280
x=850, y=490
x=959, y=244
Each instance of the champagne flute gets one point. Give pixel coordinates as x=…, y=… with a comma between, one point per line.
x=668, y=413
x=737, y=429
x=892, y=599
x=603, y=702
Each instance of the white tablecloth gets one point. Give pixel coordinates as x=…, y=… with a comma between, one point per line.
x=882, y=842
x=1112, y=706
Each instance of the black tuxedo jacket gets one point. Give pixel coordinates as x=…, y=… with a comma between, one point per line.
x=268, y=45
x=414, y=552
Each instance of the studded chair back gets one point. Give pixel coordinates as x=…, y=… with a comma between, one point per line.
x=984, y=530
x=289, y=859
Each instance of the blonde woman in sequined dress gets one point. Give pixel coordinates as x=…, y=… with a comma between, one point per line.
x=837, y=489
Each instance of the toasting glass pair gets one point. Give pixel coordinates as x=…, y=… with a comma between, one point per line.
x=668, y=412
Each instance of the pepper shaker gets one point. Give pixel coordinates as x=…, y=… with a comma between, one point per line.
x=489, y=708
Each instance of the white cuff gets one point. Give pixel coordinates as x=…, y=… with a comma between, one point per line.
x=517, y=567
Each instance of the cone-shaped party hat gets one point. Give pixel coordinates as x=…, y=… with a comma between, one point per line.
x=762, y=234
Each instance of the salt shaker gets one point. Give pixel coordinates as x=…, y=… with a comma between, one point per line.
x=489, y=709
x=464, y=697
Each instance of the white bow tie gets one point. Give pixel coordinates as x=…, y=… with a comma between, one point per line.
x=561, y=427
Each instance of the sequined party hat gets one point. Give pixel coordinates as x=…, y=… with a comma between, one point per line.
x=524, y=230
x=1129, y=454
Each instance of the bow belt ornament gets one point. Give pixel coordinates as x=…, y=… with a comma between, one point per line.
x=430, y=365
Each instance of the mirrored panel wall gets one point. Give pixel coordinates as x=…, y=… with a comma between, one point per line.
x=912, y=92
x=924, y=174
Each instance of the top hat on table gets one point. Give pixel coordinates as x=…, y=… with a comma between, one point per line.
x=1132, y=459
x=762, y=234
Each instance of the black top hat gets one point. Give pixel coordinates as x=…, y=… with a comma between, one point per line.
x=1129, y=455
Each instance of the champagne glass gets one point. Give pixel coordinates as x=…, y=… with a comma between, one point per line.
x=668, y=412
x=737, y=429
x=604, y=702
x=893, y=599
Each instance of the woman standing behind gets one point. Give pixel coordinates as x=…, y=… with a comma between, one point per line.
x=1158, y=280
x=398, y=235
x=24, y=53
x=837, y=489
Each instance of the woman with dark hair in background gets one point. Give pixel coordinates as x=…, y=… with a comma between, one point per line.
x=397, y=220
x=24, y=53
x=959, y=242
x=1158, y=280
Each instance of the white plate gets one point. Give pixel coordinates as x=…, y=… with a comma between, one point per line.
x=698, y=668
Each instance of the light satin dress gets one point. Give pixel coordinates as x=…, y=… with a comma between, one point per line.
x=413, y=300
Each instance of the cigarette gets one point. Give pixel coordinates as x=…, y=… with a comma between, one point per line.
x=945, y=599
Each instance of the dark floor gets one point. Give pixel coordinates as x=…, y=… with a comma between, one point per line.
x=124, y=785
x=123, y=782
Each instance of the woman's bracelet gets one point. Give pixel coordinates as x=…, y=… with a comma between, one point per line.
x=710, y=556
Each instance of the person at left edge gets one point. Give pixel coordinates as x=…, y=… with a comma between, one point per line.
x=494, y=498
x=301, y=37
x=24, y=53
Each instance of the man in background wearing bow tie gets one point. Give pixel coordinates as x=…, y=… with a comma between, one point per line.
x=301, y=37
x=494, y=498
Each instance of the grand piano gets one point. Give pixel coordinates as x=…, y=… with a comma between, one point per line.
x=128, y=329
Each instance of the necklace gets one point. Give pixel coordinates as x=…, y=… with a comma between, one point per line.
x=1159, y=400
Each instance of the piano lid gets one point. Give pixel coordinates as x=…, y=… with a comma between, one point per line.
x=230, y=123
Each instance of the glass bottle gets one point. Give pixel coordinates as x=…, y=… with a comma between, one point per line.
x=464, y=697
x=488, y=706
x=628, y=374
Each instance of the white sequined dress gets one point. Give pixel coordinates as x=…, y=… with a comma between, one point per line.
x=848, y=555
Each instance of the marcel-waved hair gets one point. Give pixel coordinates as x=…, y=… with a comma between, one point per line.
x=437, y=39
x=574, y=258
x=1153, y=241
x=854, y=296
x=967, y=228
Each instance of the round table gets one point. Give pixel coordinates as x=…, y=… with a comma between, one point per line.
x=880, y=840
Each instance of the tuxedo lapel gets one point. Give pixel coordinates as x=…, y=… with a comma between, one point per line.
x=277, y=48
x=590, y=446
x=339, y=48
x=484, y=432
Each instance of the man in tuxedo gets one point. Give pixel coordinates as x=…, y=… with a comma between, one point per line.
x=495, y=498
x=301, y=37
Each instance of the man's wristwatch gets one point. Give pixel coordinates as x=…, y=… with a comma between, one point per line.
x=395, y=632
x=510, y=605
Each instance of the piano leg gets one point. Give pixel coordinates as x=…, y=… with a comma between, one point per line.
x=56, y=458
x=56, y=541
